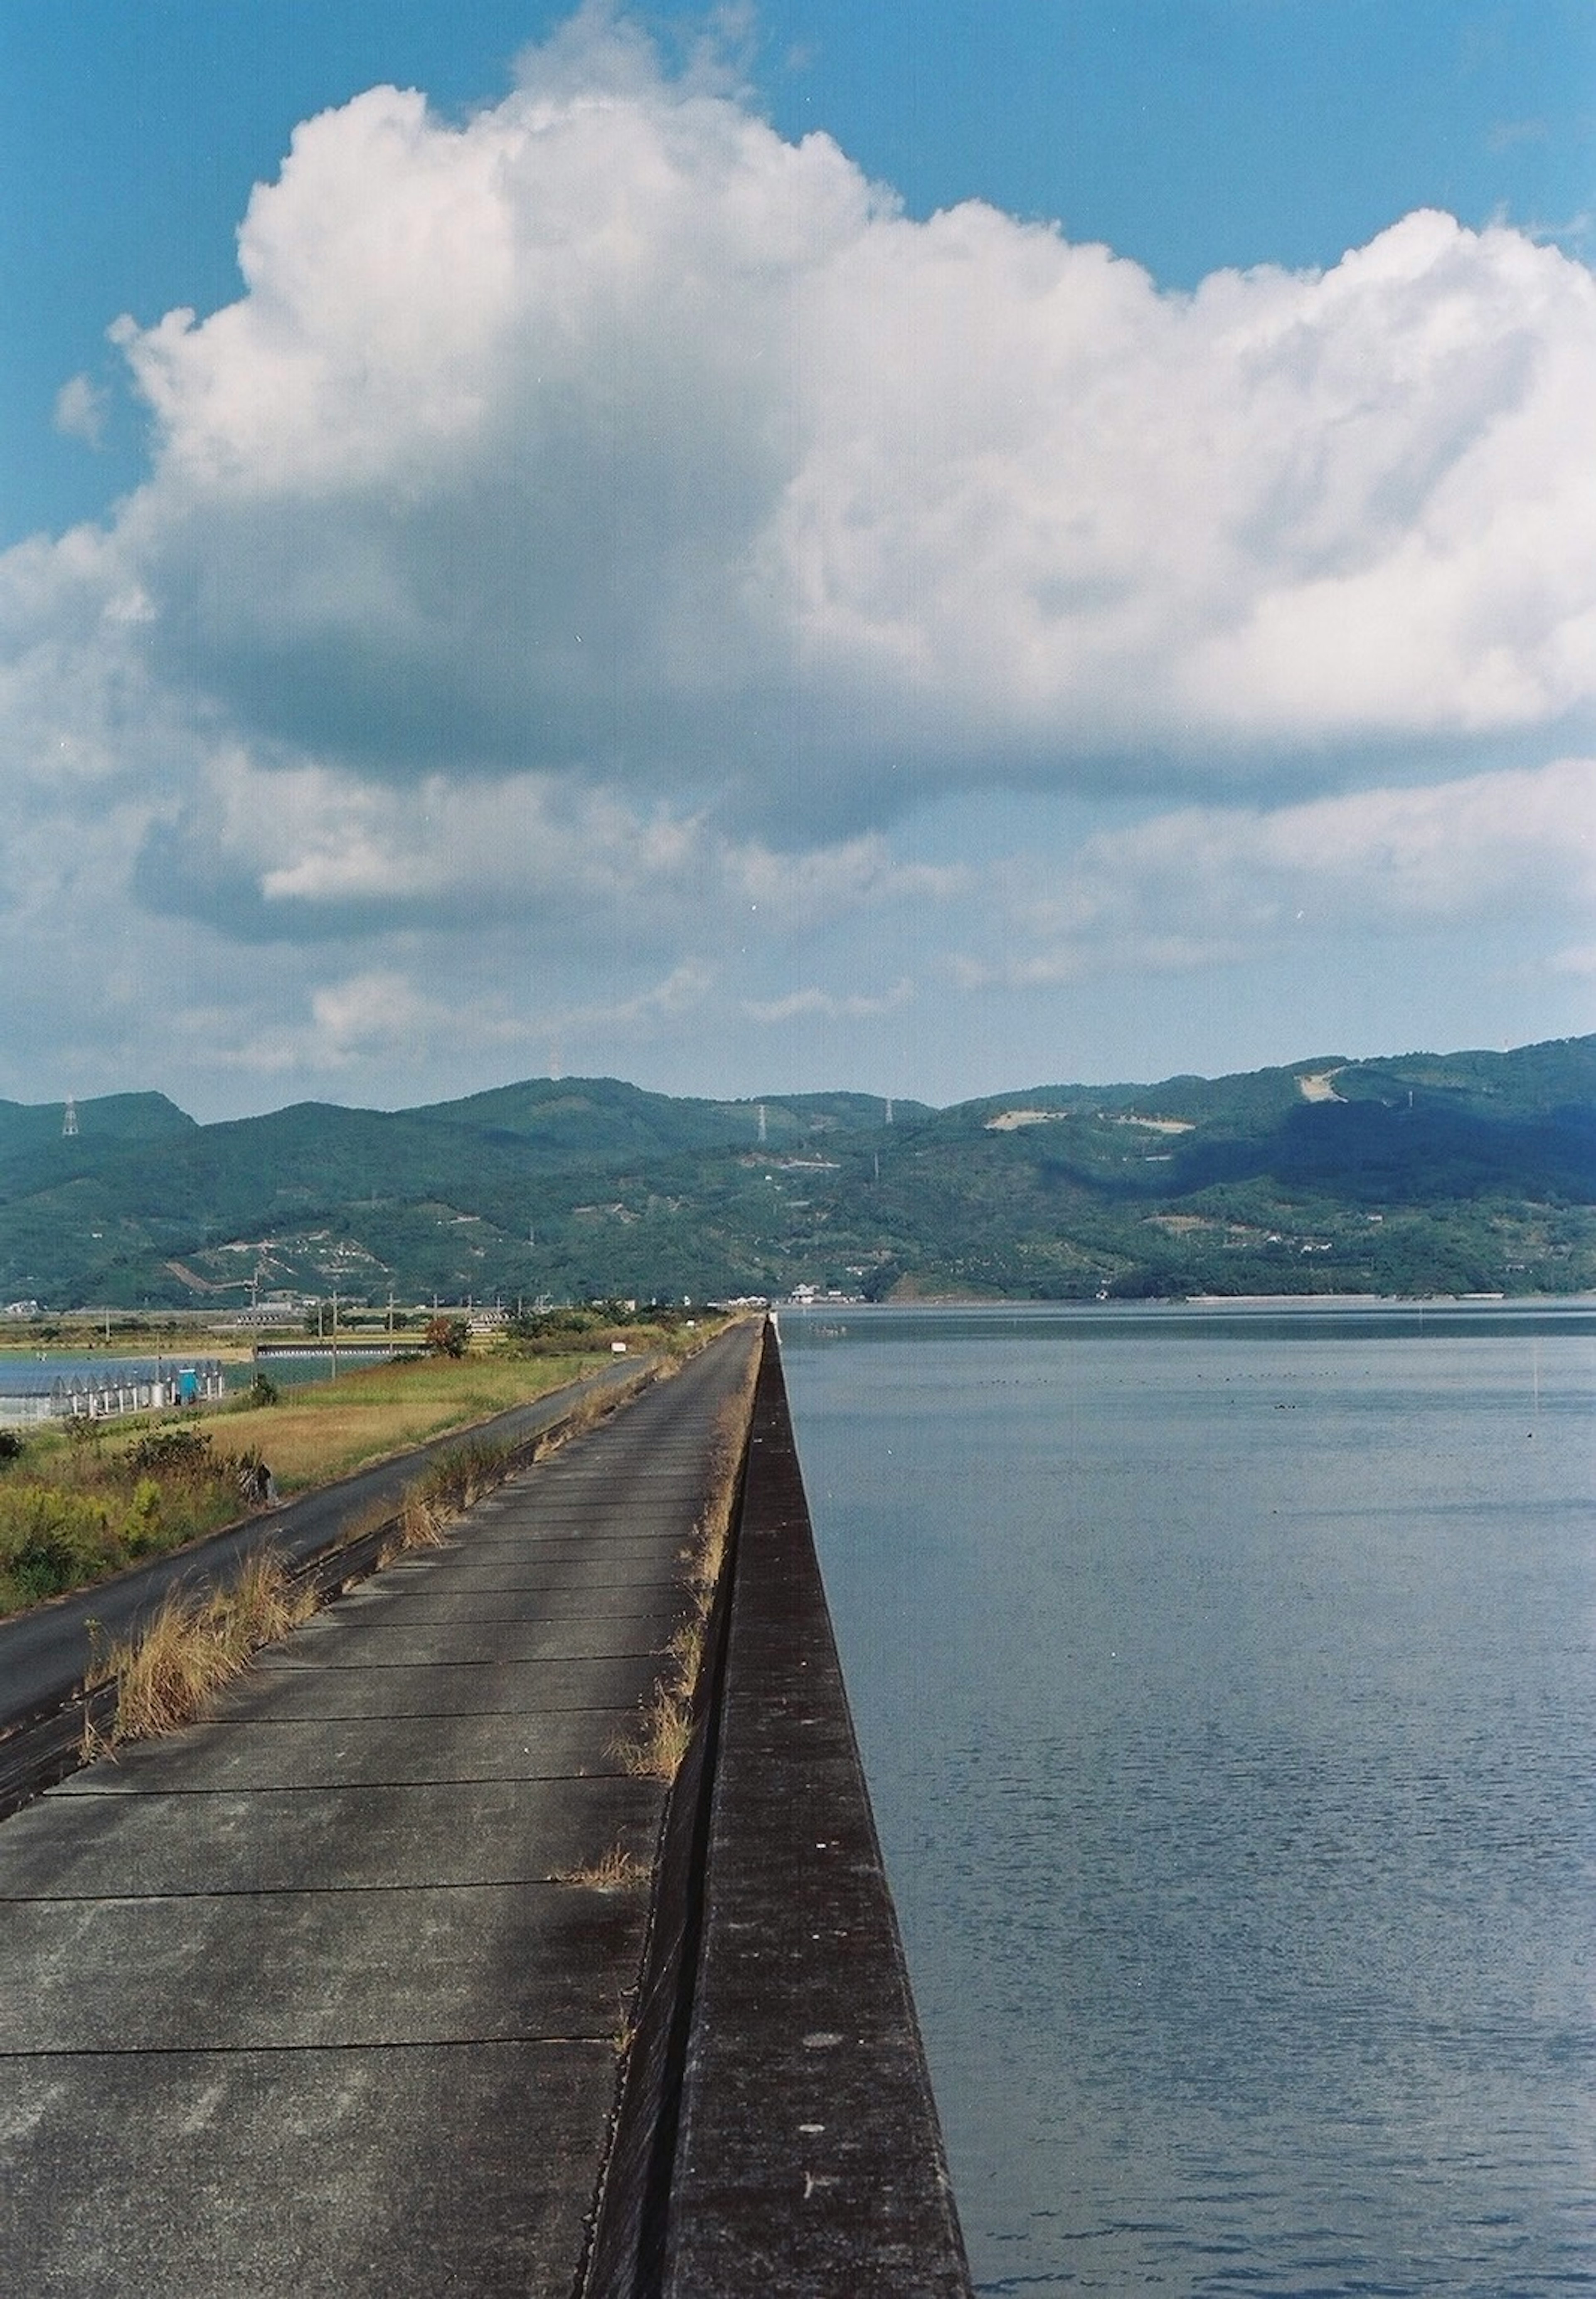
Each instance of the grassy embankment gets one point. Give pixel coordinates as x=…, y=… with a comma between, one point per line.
x=82, y=1501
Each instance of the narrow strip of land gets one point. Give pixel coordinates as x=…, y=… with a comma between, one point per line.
x=298, y=2001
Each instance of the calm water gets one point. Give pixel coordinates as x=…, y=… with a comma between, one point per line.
x=1226, y=1687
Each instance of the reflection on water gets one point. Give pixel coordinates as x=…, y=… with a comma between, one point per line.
x=1225, y=1688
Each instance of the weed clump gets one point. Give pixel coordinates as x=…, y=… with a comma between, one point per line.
x=196, y=1644
x=86, y=1511
x=615, y=1871
x=655, y=1749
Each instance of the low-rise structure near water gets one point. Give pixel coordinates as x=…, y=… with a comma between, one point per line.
x=51, y=1391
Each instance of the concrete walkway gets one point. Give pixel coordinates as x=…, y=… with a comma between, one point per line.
x=291, y=2003
x=43, y=1652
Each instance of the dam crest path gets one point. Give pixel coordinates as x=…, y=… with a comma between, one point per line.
x=390, y=1978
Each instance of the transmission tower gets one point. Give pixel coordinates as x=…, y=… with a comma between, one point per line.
x=68, y=1124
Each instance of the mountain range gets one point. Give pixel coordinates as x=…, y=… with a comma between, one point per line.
x=1417, y=1174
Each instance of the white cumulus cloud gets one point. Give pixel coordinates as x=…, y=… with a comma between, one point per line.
x=610, y=433
x=601, y=529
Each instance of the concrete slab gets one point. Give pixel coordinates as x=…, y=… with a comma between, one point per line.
x=373, y=1642
x=612, y=1534
x=576, y=1465
x=317, y=1752
x=325, y=2175
x=619, y=1496
x=538, y=1575
x=483, y=1597
x=502, y=1688
x=329, y=1839
x=438, y=1965
x=788, y=2144
x=620, y=1545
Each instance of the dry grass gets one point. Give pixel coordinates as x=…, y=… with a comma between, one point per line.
x=328, y=1430
x=195, y=1644
x=421, y=1525
x=655, y=1749
x=85, y=1499
x=615, y=1871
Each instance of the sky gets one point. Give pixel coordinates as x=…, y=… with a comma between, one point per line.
x=925, y=549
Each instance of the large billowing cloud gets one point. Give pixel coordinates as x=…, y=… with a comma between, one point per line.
x=611, y=432
x=606, y=514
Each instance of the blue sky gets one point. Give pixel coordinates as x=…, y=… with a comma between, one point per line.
x=997, y=664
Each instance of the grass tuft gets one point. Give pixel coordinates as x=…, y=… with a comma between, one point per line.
x=615, y=1871
x=655, y=1748
x=196, y=1644
x=654, y=1751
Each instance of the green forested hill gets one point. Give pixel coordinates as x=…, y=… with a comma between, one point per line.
x=1457, y=1172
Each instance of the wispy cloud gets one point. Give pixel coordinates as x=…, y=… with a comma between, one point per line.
x=79, y=412
x=827, y=1005
x=1205, y=886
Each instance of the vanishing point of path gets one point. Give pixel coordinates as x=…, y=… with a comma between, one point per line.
x=293, y=2002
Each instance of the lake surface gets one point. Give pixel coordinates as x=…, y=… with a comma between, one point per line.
x=1225, y=1683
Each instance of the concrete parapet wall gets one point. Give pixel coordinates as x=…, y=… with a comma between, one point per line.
x=776, y=2133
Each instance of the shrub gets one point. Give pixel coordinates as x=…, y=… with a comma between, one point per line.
x=180, y=1454
x=52, y=1540
x=141, y=1527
